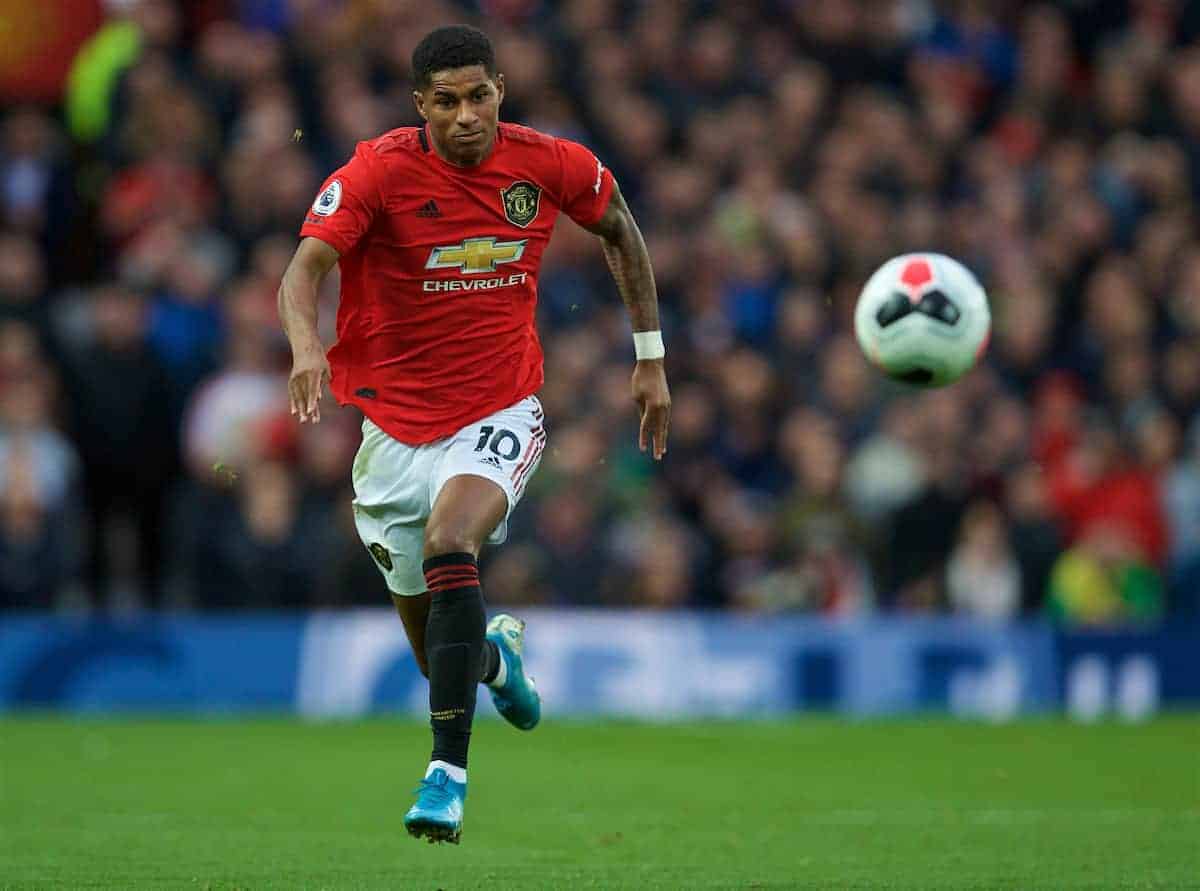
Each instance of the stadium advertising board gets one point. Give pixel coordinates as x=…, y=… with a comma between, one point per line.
x=589, y=664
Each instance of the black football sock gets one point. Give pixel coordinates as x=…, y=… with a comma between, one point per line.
x=491, y=662
x=454, y=639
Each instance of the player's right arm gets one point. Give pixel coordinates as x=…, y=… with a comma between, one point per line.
x=345, y=208
x=297, y=300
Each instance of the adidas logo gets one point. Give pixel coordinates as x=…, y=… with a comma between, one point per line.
x=490, y=461
x=429, y=209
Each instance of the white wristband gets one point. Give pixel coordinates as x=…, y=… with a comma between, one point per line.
x=648, y=345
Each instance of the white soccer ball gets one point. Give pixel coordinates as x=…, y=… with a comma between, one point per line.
x=923, y=319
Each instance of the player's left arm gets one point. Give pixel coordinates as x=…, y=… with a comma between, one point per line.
x=628, y=260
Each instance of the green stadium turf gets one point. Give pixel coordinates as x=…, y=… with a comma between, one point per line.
x=811, y=803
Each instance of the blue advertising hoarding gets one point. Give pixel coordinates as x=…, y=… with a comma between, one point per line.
x=656, y=666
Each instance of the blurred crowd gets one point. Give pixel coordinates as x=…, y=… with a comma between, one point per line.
x=774, y=153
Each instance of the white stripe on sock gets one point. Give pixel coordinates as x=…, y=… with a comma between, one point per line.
x=456, y=773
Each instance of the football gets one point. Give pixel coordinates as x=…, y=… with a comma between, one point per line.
x=923, y=319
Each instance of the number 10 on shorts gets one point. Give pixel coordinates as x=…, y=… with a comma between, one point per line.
x=503, y=443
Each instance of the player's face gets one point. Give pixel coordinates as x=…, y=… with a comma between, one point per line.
x=462, y=106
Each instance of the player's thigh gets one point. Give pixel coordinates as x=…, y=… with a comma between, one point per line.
x=467, y=510
x=398, y=551
x=504, y=449
x=391, y=506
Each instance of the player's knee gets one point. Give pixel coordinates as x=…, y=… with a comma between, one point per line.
x=448, y=539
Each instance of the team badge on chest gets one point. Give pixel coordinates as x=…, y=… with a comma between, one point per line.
x=521, y=202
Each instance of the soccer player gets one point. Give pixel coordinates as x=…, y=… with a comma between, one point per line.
x=439, y=231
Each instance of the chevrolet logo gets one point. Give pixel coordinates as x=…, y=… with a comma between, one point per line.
x=476, y=254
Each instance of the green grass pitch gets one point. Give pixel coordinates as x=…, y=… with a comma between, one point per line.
x=809, y=803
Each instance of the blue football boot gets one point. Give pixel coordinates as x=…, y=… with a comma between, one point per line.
x=516, y=699
x=438, y=813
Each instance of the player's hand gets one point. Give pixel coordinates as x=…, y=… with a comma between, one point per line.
x=310, y=374
x=654, y=399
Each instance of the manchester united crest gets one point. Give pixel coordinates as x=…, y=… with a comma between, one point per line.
x=521, y=202
x=381, y=555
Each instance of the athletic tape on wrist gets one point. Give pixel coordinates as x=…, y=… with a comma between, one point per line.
x=648, y=345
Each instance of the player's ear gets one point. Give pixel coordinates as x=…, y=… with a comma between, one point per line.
x=419, y=102
x=499, y=88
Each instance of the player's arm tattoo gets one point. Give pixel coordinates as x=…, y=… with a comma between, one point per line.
x=628, y=260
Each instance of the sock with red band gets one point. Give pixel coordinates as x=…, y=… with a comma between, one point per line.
x=454, y=639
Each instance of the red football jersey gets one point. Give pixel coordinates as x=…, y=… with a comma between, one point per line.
x=439, y=265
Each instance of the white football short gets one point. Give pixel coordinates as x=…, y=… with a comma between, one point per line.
x=396, y=485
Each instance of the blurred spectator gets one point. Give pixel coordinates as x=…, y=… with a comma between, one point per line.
x=830, y=545
x=514, y=575
x=983, y=578
x=887, y=471
x=119, y=394
x=39, y=486
x=1181, y=488
x=37, y=547
x=1035, y=536
x=1103, y=580
x=921, y=531
x=40, y=451
x=256, y=549
x=35, y=188
x=568, y=536
x=239, y=415
x=23, y=283
x=660, y=557
x=1094, y=484
x=746, y=541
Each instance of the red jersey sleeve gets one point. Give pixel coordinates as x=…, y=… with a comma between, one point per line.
x=587, y=185
x=347, y=203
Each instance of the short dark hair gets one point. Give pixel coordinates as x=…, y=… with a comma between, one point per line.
x=455, y=46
